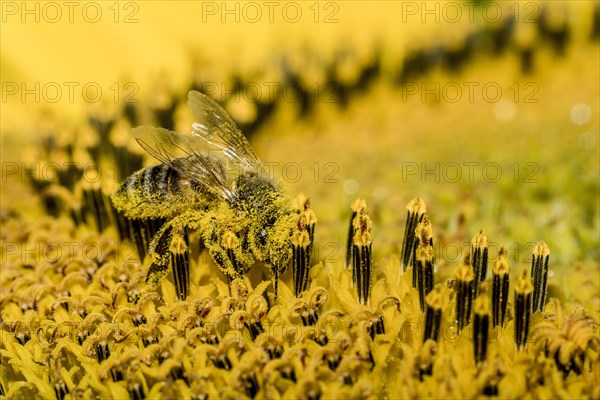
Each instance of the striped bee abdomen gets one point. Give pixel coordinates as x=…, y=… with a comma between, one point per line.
x=153, y=192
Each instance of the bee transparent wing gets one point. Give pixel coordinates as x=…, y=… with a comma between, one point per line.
x=191, y=156
x=216, y=127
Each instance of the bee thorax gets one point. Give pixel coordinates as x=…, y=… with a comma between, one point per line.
x=257, y=195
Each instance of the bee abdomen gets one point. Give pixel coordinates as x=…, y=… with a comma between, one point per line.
x=149, y=193
x=159, y=182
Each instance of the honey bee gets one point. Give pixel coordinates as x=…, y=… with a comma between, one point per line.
x=213, y=182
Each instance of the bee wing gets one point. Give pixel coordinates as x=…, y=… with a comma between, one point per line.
x=216, y=127
x=191, y=156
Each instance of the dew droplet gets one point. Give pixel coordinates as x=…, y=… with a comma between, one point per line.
x=351, y=186
x=581, y=113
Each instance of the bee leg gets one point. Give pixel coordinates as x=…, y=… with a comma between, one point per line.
x=275, y=283
x=169, y=247
x=233, y=246
x=180, y=262
x=225, y=247
x=159, y=252
x=221, y=259
x=275, y=271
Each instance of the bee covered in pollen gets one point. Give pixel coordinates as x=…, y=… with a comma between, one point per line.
x=213, y=182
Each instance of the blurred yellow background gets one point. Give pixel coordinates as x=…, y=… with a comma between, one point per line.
x=136, y=41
